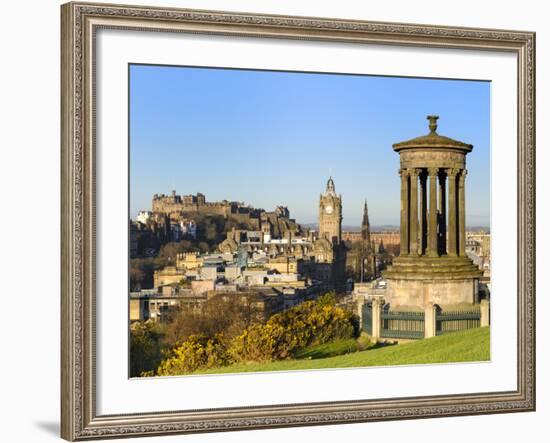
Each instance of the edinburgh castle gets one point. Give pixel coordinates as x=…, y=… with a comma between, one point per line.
x=177, y=207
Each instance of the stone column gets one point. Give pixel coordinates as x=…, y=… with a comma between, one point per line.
x=360, y=303
x=484, y=308
x=442, y=214
x=452, y=249
x=430, y=323
x=414, y=212
x=432, y=225
x=377, y=305
x=462, y=212
x=423, y=213
x=404, y=246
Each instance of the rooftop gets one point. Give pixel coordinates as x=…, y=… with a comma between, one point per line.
x=433, y=140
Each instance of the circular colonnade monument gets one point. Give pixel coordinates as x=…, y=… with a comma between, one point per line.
x=432, y=266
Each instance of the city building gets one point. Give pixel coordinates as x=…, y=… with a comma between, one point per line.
x=144, y=216
x=329, y=250
x=478, y=248
x=385, y=240
x=159, y=304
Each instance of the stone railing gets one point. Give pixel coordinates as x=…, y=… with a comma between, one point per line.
x=380, y=321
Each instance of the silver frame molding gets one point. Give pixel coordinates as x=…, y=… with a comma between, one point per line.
x=79, y=22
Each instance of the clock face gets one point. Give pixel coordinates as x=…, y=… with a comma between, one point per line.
x=328, y=209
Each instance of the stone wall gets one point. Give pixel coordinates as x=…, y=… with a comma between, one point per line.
x=406, y=292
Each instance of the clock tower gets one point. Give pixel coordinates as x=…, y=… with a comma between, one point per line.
x=330, y=214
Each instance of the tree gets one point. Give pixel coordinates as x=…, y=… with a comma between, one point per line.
x=203, y=247
x=218, y=315
x=145, y=347
x=137, y=277
x=141, y=273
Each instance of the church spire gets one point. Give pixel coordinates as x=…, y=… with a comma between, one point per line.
x=365, y=225
x=366, y=222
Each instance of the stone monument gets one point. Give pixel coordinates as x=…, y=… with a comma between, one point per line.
x=432, y=267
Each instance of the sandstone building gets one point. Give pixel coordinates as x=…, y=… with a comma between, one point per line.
x=381, y=240
x=384, y=239
x=478, y=247
x=329, y=249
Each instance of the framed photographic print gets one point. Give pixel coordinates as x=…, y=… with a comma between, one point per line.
x=283, y=221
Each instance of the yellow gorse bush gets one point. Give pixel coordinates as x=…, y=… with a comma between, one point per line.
x=284, y=334
x=198, y=351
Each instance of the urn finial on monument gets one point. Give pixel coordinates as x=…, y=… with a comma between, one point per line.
x=433, y=123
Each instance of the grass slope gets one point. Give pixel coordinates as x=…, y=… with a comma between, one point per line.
x=332, y=349
x=470, y=345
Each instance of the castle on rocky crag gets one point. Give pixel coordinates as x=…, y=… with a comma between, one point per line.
x=176, y=206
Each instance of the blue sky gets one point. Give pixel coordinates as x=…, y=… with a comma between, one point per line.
x=273, y=138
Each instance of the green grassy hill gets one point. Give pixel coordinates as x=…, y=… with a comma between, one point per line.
x=470, y=345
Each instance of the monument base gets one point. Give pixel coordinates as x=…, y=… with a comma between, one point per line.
x=420, y=281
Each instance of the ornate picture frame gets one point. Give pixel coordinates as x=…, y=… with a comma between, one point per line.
x=80, y=22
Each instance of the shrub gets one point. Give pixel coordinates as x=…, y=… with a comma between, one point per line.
x=281, y=337
x=284, y=334
x=197, y=352
x=328, y=299
x=364, y=342
x=260, y=342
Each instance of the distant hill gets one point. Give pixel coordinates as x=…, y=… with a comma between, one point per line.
x=355, y=228
x=379, y=228
x=478, y=228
